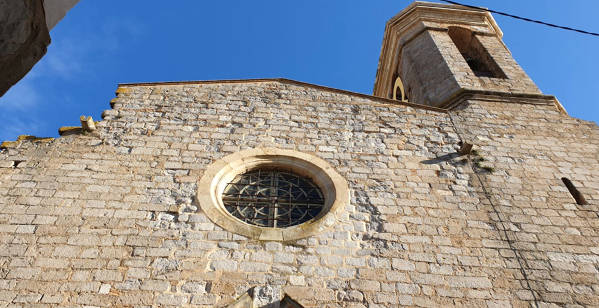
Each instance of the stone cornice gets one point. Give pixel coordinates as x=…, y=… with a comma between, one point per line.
x=503, y=97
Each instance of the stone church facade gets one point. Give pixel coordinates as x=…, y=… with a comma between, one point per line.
x=458, y=183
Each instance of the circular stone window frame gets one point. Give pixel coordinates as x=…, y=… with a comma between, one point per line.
x=212, y=184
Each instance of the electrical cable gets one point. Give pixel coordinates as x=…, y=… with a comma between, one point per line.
x=500, y=222
x=523, y=18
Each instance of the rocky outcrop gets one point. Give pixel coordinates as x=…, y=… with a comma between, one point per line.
x=23, y=39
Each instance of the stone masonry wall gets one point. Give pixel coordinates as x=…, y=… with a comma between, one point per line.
x=517, y=80
x=437, y=83
x=110, y=218
x=531, y=147
x=433, y=70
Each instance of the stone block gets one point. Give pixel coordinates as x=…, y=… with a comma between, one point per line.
x=155, y=285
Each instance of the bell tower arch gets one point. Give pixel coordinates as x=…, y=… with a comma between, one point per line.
x=439, y=51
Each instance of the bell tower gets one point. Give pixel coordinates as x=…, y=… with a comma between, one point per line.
x=434, y=52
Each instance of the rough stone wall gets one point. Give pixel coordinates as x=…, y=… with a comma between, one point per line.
x=436, y=83
x=531, y=147
x=433, y=69
x=517, y=80
x=109, y=218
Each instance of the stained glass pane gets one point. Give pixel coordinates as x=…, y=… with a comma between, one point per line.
x=272, y=198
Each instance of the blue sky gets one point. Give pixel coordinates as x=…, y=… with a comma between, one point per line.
x=333, y=43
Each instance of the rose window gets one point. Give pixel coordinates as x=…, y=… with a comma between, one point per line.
x=272, y=198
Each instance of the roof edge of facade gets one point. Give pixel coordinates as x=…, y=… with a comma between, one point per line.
x=288, y=81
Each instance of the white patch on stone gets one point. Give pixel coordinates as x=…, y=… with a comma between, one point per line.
x=104, y=289
x=267, y=296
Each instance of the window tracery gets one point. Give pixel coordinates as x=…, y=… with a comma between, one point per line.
x=272, y=198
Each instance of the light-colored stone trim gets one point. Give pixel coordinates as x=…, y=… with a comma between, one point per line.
x=496, y=96
x=222, y=171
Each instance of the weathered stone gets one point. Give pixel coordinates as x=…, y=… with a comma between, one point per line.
x=24, y=37
x=119, y=223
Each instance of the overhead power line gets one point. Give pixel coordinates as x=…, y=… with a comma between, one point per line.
x=523, y=18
